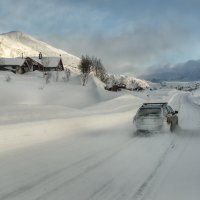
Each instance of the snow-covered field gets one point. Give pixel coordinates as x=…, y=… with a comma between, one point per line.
x=68, y=142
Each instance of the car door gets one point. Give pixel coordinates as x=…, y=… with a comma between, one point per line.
x=167, y=114
x=172, y=117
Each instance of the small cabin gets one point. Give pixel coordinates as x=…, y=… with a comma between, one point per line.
x=116, y=87
x=47, y=64
x=16, y=65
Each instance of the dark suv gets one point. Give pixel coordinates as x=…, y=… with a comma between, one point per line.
x=155, y=117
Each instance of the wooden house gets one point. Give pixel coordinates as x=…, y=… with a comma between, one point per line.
x=23, y=65
x=116, y=87
x=16, y=65
x=47, y=64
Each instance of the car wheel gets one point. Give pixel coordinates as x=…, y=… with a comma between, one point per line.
x=171, y=127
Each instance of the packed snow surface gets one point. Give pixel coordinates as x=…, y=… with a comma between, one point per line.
x=64, y=141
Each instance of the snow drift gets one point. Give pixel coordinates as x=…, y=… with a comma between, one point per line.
x=64, y=141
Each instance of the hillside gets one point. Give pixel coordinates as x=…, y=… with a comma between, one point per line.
x=14, y=43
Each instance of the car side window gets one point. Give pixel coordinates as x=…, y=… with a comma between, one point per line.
x=170, y=110
x=165, y=111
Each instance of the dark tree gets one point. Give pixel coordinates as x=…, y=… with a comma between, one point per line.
x=85, y=68
x=98, y=69
x=67, y=74
x=92, y=64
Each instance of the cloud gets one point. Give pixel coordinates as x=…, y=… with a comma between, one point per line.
x=187, y=71
x=127, y=35
x=133, y=50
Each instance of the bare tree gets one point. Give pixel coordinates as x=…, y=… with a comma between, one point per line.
x=92, y=64
x=67, y=74
x=85, y=68
x=98, y=69
x=47, y=77
x=46, y=74
x=45, y=63
x=57, y=76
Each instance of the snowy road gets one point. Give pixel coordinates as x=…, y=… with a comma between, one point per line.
x=102, y=159
x=179, y=176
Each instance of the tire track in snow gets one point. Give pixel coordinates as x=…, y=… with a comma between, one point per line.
x=139, y=194
x=58, y=173
x=88, y=170
x=179, y=101
x=107, y=188
x=179, y=148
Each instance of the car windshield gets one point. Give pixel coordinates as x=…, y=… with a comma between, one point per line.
x=149, y=111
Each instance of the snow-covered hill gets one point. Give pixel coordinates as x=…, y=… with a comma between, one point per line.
x=14, y=43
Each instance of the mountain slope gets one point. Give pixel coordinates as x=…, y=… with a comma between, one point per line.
x=14, y=43
x=188, y=71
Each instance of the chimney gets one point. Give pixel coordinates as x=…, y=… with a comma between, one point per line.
x=40, y=55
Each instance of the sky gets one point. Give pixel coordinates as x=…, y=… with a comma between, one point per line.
x=128, y=36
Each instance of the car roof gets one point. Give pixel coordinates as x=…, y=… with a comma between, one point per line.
x=153, y=105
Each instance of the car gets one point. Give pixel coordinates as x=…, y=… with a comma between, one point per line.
x=156, y=117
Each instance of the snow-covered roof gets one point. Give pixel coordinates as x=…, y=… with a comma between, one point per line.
x=12, y=61
x=51, y=61
x=47, y=61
